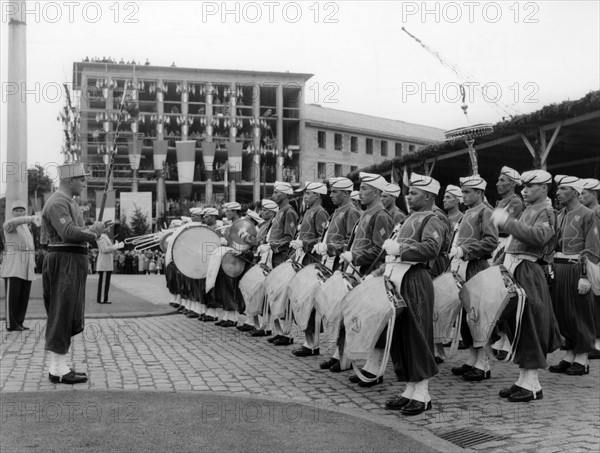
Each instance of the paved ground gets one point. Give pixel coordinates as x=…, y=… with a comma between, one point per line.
x=177, y=354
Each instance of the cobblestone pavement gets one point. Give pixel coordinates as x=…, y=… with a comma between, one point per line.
x=178, y=354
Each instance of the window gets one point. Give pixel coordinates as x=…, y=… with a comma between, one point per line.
x=398, y=149
x=411, y=148
x=337, y=142
x=321, y=170
x=354, y=144
x=338, y=170
x=353, y=168
x=383, y=148
x=321, y=139
x=369, y=146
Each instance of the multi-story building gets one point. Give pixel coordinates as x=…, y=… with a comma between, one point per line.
x=206, y=134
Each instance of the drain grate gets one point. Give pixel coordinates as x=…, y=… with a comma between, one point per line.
x=466, y=438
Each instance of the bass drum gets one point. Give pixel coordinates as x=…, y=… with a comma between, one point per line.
x=447, y=306
x=301, y=292
x=192, y=246
x=252, y=287
x=329, y=295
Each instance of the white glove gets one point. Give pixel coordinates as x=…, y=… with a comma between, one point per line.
x=347, y=257
x=36, y=220
x=120, y=245
x=296, y=244
x=224, y=242
x=500, y=217
x=262, y=249
x=98, y=228
x=456, y=252
x=320, y=248
x=583, y=286
x=391, y=247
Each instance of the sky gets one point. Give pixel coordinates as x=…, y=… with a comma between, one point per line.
x=512, y=57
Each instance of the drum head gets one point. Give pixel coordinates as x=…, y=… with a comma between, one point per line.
x=192, y=247
x=232, y=265
x=234, y=234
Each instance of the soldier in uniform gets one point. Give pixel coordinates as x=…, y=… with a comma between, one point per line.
x=65, y=270
x=311, y=231
x=18, y=266
x=283, y=231
x=388, y=200
x=589, y=198
x=477, y=238
x=210, y=220
x=452, y=201
x=418, y=243
x=373, y=228
x=532, y=236
x=336, y=239
x=573, y=300
x=355, y=197
x=508, y=181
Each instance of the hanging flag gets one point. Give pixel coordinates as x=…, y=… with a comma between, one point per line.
x=186, y=159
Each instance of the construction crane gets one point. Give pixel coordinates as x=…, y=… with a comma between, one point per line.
x=464, y=77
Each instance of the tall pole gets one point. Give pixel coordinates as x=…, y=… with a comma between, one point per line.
x=16, y=109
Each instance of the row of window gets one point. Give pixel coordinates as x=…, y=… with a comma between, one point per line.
x=338, y=144
x=338, y=170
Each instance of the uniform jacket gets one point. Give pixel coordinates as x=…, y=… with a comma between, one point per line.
x=283, y=229
x=421, y=236
x=514, y=206
x=477, y=235
x=312, y=227
x=19, y=251
x=340, y=228
x=577, y=233
x=372, y=229
x=534, y=232
x=106, y=250
x=62, y=222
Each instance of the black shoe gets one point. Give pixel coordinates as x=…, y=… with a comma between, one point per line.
x=220, y=323
x=562, y=367
x=505, y=393
x=69, y=378
x=460, y=370
x=501, y=355
x=78, y=373
x=99, y=302
x=261, y=333
x=283, y=341
x=305, y=352
x=16, y=329
x=476, y=375
x=337, y=368
x=208, y=318
x=395, y=404
x=577, y=369
x=273, y=339
x=107, y=302
x=524, y=395
x=174, y=304
x=439, y=360
x=379, y=380
x=327, y=364
x=180, y=309
x=355, y=379
x=25, y=328
x=415, y=408
x=201, y=317
x=192, y=315
x=246, y=328
x=228, y=323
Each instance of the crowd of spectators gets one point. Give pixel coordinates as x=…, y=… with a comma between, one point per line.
x=132, y=262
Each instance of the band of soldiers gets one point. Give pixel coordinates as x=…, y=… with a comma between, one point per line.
x=369, y=273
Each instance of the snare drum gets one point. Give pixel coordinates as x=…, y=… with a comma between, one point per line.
x=329, y=295
x=484, y=298
x=252, y=287
x=232, y=265
x=276, y=287
x=301, y=292
x=366, y=310
x=192, y=246
x=447, y=305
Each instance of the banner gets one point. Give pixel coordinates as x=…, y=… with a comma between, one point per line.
x=234, y=153
x=208, y=153
x=159, y=153
x=135, y=208
x=186, y=158
x=134, y=150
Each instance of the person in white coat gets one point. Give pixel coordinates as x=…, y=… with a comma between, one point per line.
x=105, y=264
x=18, y=265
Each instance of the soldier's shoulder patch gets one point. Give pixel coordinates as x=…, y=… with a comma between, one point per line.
x=292, y=224
x=63, y=220
x=382, y=231
x=436, y=235
x=577, y=218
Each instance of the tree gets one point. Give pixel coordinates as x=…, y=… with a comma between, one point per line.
x=38, y=183
x=139, y=222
